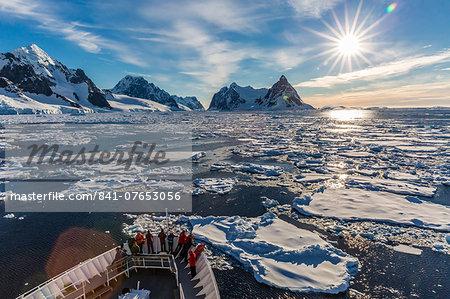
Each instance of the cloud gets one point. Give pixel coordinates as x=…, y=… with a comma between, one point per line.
x=40, y=12
x=313, y=8
x=410, y=95
x=139, y=74
x=383, y=71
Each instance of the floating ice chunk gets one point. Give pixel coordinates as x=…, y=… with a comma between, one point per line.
x=401, y=176
x=393, y=186
x=309, y=178
x=417, y=148
x=220, y=166
x=357, y=204
x=356, y=154
x=198, y=155
x=278, y=253
x=216, y=185
x=369, y=236
x=262, y=177
x=267, y=170
x=407, y=249
x=198, y=191
x=269, y=203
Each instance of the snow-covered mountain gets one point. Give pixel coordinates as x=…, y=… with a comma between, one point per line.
x=120, y=102
x=281, y=96
x=138, y=87
x=33, y=82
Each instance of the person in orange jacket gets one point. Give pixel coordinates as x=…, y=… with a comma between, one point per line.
x=192, y=263
x=140, y=239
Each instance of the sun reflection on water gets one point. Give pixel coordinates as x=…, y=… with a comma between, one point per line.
x=347, y=115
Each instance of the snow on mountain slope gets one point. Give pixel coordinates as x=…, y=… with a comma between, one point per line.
x=140, y=88
x=45, y=80
x=14, y=101
x=132, y=104
x=281, y=96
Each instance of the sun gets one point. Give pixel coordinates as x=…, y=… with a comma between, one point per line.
x=348, y=42
x=349, y=45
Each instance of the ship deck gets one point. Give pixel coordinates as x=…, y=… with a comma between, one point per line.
x=160, y=282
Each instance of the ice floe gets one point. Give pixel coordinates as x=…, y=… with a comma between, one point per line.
x=216, y=185
x=399, y=187
x=266, y=170
x=357, y=204
x=407, y=249
x=278, y=253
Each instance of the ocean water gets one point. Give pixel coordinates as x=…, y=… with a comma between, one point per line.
x=331, y=145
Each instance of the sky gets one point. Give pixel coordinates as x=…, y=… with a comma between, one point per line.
x=350, y=53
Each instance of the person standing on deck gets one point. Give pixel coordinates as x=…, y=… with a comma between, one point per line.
x=140, y=241
x=162, y=238
x=187, y=245
x=192, y=263
x=149, y=238
x=199, y=249
x=181, y=241
x=119, y=255
x=170, y=241
x=135, y=249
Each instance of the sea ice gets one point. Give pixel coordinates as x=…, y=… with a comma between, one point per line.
x=216, y=185
x=407, y=249
x=357, y=204
x=269, y=203
x=278, y=253
x=399, y=187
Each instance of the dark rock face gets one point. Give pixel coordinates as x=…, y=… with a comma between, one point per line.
x=281, y=96
x=226, y=99
x=96, y=95
x=283, y=89
x=24, y=76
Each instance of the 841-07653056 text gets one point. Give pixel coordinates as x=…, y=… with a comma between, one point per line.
x=101, y=196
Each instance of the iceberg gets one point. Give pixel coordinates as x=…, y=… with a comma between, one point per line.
x=278, y=253
x=357, y=204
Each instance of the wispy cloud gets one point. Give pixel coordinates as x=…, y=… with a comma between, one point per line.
x=41, y=12
x=383, y=71
x=409, y=95
x=139, y=74
x=313, y=8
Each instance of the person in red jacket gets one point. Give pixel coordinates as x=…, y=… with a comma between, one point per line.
x=192, y=263
x=140, y=241
x=199, y=249
x=181, y=241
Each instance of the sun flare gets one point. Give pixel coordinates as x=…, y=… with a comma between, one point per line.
x=348, y=42
x=349, y=45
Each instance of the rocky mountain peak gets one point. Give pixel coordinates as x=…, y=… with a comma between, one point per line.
x=33, y=55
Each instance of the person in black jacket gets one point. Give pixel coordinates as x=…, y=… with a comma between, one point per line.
x=162, y=238
x=149, y=238
x=170, y=239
